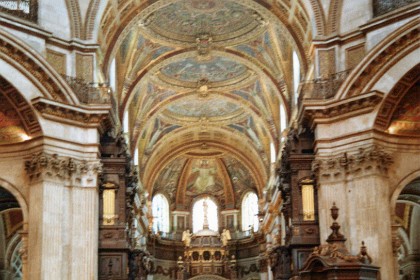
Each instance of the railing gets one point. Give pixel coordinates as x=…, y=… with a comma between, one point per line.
x=323, y=88
x=26, y=9
x=89, y=92
x=381, y=7
x=178, y=235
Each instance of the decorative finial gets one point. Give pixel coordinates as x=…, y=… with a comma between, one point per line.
x=363, y=255
x=335, y=236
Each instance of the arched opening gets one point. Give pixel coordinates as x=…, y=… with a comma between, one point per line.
x=160, y=212
x=205, y=215
x=407, y=231
x=250, y=212
x=11, y=222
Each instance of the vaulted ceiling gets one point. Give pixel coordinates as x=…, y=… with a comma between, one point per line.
x=203, y=82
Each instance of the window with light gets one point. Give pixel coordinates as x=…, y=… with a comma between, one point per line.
x=205, y=214
x=250, y=212
x=160, y=212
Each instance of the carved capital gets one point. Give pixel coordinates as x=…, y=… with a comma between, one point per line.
x=70, y=171
x=371, y=159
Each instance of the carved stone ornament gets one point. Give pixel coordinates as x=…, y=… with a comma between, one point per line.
x=334, y=257
x=56, y=111
x=372, y=158
x=71, y=171
x=203, y=43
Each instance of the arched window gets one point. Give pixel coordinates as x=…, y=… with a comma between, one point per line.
x=16, y=263
x=160, y=212
x=250, y=211
x=113, y=75
x=272, y=153
x=125, y=122
x=296, y=75
x=283, y=121
x=205, y=215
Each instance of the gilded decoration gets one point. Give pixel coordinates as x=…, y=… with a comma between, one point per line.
x=17, y=119
x=210, y=107
x=215, y=69
x=11, y=126
x=202, y=81
x=406, y=118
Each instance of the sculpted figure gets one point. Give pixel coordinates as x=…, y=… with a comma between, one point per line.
x=186, y=238
x=225, y=237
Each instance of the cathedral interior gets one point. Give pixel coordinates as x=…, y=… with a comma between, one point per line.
x=209, y=139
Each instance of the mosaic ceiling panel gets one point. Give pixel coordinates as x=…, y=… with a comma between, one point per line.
x=240, y=177
x=216, y=69
x=168, y=179
x=208, y=107
x=185, y=20
x=11, y=126
x=406, y=118
x=201, y=79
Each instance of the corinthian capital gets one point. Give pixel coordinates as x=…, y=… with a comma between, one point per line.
x=372, y=159
x=70, y=171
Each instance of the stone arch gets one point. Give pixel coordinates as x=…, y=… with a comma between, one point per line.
x=113, y=35
x=19, y=197
x=404, y=181
x=390, y=57
x=393, y=98
x=73, y=10
x=91, y=19
x=319, y=17
x=232, y=53
x=35, y=70
x=334, y=17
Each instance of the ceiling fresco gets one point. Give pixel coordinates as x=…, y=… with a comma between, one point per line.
x=203, y=81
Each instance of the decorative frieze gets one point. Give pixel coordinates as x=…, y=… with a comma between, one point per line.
x=70, y=171
x=372, y=158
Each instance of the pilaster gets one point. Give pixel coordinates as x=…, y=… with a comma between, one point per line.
x=63, y=226
x=358, y=180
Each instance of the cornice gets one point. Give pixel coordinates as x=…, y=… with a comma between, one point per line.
x=66, y=170
x=322, y=112
x=35, y=30
x=391, y=17
x=85, y=116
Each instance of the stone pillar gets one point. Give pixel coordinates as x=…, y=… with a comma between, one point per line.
x=62, y=229
x=358, y=181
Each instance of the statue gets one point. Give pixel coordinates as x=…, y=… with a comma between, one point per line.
x=225, y=237
x=186, y=238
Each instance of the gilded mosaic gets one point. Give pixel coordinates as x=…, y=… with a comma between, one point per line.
x=217, y=69
x=185, y=20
